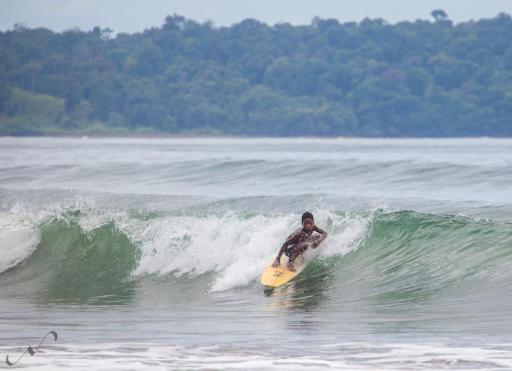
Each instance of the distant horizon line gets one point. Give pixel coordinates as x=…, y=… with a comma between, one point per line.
x=249, y=137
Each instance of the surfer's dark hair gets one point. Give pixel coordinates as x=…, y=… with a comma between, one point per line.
x=307, y=215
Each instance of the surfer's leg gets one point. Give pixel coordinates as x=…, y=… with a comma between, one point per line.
x=289, y=253
x=290, y=266
x=297, y=250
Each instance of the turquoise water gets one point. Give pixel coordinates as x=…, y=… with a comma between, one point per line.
x=145, y=253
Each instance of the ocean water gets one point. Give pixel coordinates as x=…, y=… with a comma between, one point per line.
x=146, y=253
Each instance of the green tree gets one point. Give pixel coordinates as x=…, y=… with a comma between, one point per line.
x=439, y=15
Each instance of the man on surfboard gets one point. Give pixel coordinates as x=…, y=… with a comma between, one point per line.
x=300, y=240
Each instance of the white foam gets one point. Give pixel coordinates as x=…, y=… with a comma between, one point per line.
x=194, y=245
x=342, y=356
x=345, y=231
x=18, y=239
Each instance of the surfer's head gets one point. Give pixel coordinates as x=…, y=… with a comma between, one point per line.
x=308, y=221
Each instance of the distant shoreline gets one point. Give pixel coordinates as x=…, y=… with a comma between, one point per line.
x=210, y=136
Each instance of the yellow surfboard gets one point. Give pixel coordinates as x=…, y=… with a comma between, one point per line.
x=274, y=277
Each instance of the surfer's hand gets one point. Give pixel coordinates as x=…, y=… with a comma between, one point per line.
x=276, y=263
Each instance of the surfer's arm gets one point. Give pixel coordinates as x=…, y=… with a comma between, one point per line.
x=323, y=236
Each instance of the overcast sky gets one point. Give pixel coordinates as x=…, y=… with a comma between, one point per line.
x=136, y=15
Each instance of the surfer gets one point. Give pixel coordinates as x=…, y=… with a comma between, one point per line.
x=300, y=240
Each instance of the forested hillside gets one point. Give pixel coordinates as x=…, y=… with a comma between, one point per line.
x=364, y=79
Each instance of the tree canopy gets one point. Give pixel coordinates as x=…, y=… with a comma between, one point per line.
x=328, y=79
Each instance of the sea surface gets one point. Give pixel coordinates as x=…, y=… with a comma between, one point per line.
x=145, y=254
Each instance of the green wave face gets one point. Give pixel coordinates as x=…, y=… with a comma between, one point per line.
x=71, y=265
x=426, y=253
x=426, y=270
